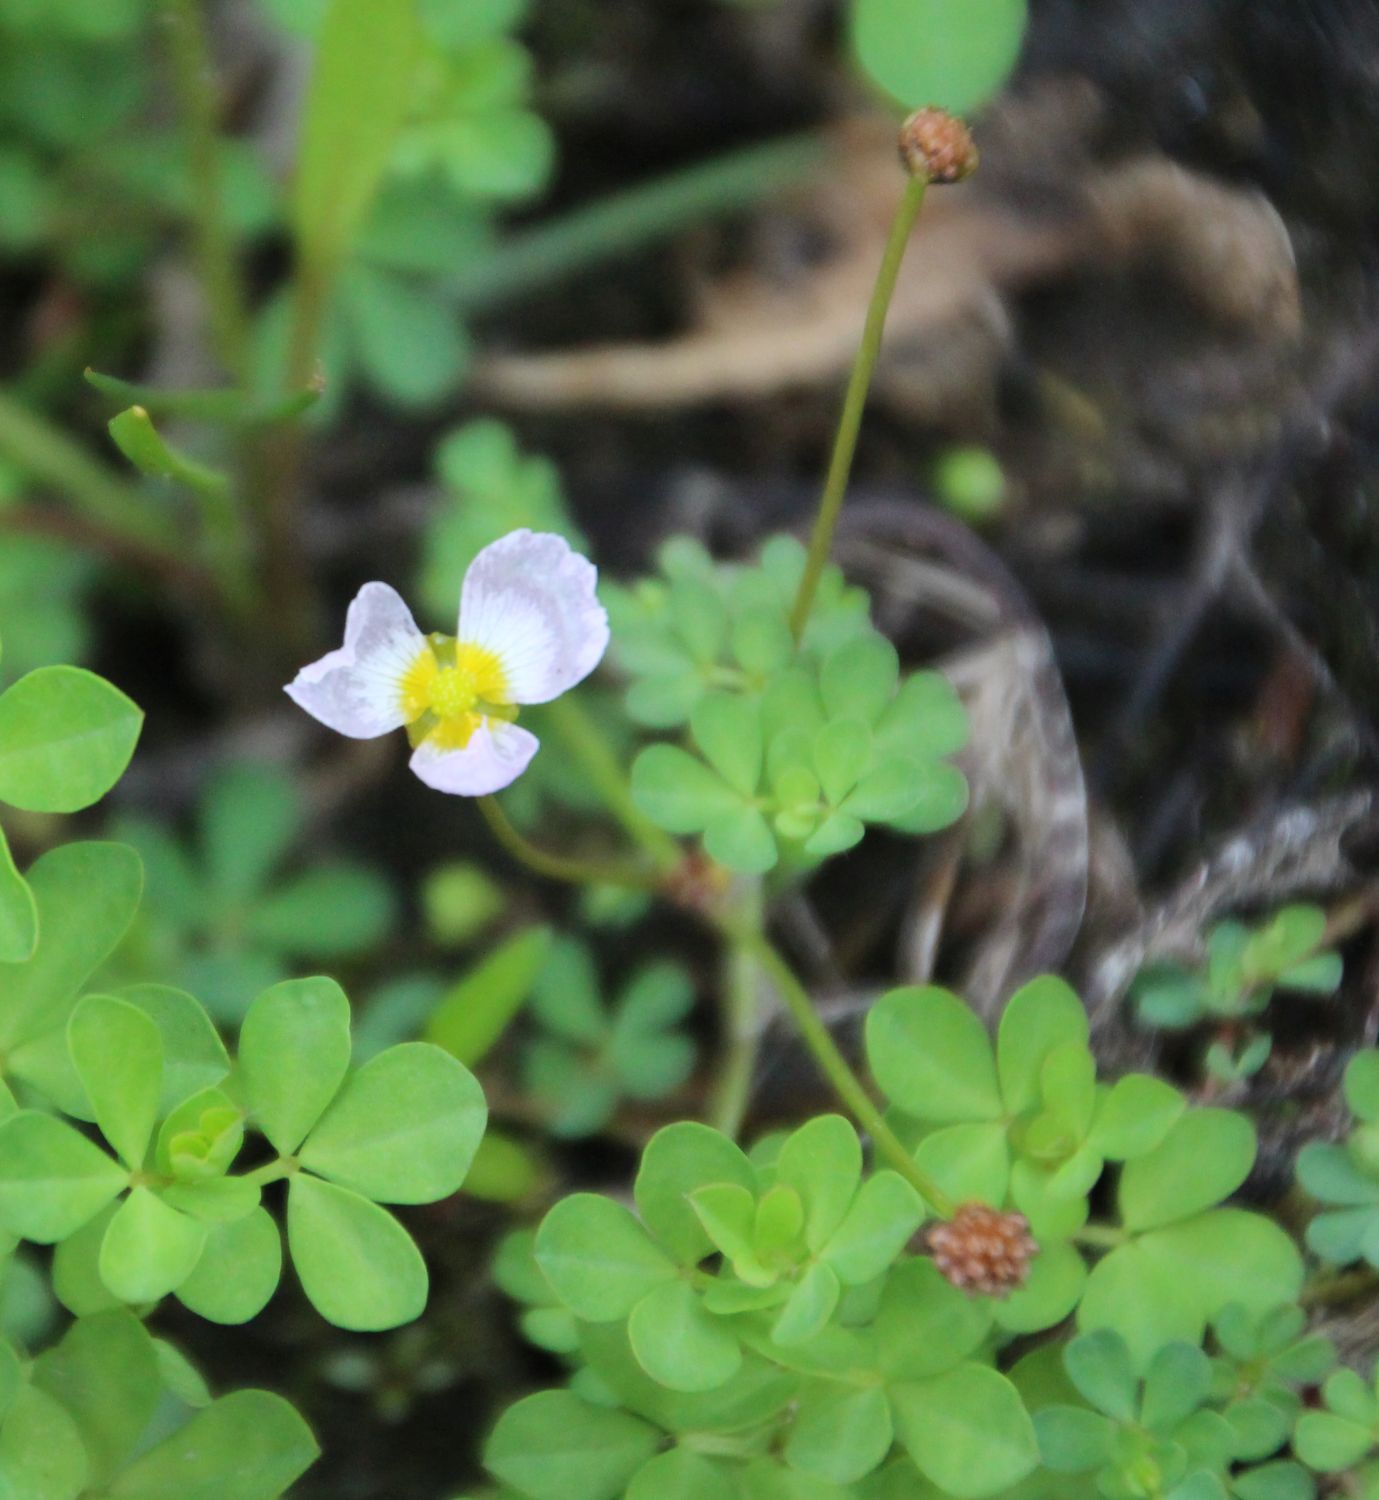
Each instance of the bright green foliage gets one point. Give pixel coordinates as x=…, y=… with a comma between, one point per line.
x=1346, y=1177
x=469, y=1017
x=1346, y=1433
x=590, y=1055
x=491, y=488
x=933, y=52
x=460, y=901
x=227, y=915
x=165, y=1214
x=1159, y=1436
x=1245, y=966
x=797, y=749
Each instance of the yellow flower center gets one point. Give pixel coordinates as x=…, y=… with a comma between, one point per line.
x=450, y=689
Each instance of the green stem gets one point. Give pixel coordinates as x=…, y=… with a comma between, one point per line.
x=741, y=1029
x=583, y=738
x=1337, y=1288
x=850, y=421
x=836, y=1069
x=194, y=80
x=48, y=455
x=624, y=222
x=559, y=866
x=1101, y=1236
x=271, y=1171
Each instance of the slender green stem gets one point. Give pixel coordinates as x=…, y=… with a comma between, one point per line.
x=194, y=80
x=1337, y=1288
x=622, y=223
x=271, y=1171
x=741, y=1025
x=559, y=866
x=49, y=456
x=845, y=1083
x=850, y=421
x=1101, y=1236
x=583, y=738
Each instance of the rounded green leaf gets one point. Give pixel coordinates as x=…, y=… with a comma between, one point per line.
x=194, y=1057
x=883, y=1217
x=680, y=1345
x=403, y=1129
x=87, y=895
x=1328, y=1443
x=253, y=1435
x=933, y=52
x=555, y=1446
x=1050, y=1293
x=77, y=1280
x=822, y=1161
x=840, y=1433
x=238, y=1270
x=809, y=1306
x=1362, y=1084
x=1100, y=1366
x=1202, y=1160
x=678, y=1159
x=294, y=1049
x=727, y=731
x=967, y=1431
x=332, y=911
x=118, y=1054
x=66, y=737
x=598, y=1259
x=18, y=911
x=681, y=1474
x=1040, y=1017
x=1073, y=1440
x=842, y=752
x=858, y=679
x=971, y=1163
x=250, y=815
x=1329, y=1173
x=925, y=1325
x=932, y=1057
x=1229, y=1255
x=52, y=1179
x=741, y=840
x=678, y=792
x=41, y=1451
x=1134, y=1115
x=149, y=1249
x=358, y=1266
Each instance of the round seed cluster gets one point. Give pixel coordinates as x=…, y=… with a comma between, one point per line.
x=984, y=1251
x=937, y=145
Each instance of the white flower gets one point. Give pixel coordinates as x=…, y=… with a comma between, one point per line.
x=531, y=627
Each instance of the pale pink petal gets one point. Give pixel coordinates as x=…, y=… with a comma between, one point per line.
x=496, y=755
x=357, y=690
x=530, y=600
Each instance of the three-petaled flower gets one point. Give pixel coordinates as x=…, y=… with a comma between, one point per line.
x=530, y=628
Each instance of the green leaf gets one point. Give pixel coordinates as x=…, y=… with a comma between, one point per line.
x=859, y=678
x=77, y=1280
x=1176, y=1383
x=967, y=1431
x=87, y=895
x=253, y=1435
x=1202, y=1160
x=842, y=751
x=681, y=1474
x=929, y=52
x=931, y=1056
x=1073, y=1440
x=1330, y=1174
x=238, y=1270
x=1100, y=1366
x=678, y=1159
x=52, y=1179
x=680, y=1345
x=149, y=1249
x=741, y=840
x=403, y=1129
x=1329, y=1443
x=249, y=818
x=1051, y=1290
x=809, y=1306
x=598, y=1259
x=1040, y=1017
x=41, y=1452
x=356, y=104
x=1134, y=1115
x=331, y=911
x=971, y=1163
x=678, y=792
x=925, y=1325
x=118, y=1054
x=554, y=1446
x=294, y=1049
x=18, y=911
x=66, y=737
x=822, y=1161
x=926, y=720
x=1362, y=1084
x=104, y=1372
x=358, y=1266
x=477, y=1010
x=839, y=1433
x=728, y=732
x=883, y=1217
x=194, y=1057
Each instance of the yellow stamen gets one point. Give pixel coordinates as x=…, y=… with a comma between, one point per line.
x=454, y=699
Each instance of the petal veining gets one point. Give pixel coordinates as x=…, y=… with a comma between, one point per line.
x=492, y=757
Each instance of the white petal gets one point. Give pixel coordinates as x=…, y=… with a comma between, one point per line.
x=530, y=600
x=357, y=690
x=496, y=755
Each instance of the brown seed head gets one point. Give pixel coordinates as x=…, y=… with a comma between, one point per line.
x=984, y=1251
x=937, y=145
